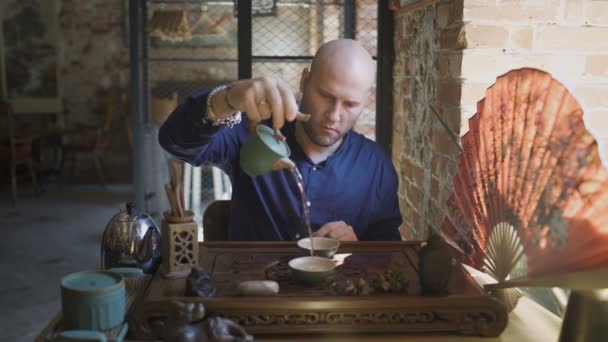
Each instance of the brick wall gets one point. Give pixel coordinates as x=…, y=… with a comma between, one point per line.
x=566, y=38
x=449, y=52
x=423, y=149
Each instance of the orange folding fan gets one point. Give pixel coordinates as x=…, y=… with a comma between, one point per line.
x=529, y=184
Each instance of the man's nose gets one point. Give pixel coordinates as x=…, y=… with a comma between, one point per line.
x=333, y=114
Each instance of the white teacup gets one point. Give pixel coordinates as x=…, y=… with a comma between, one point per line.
x=323, y=247
x=311, y=270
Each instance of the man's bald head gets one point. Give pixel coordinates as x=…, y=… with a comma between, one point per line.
x=335, y=91
x=344, y=56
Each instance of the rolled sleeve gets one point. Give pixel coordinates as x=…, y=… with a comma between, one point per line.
x=186, y=136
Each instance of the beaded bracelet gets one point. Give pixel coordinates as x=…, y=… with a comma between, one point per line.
x=212, y=118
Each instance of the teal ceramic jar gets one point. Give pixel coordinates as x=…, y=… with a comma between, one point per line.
x=261, y=151
x=92, y=300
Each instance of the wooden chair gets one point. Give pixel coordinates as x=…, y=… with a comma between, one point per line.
x=18, y=151
x=91, y=141
x=215, y=221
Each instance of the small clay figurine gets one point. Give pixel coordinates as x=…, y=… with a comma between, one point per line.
x=198, y=283
x=436, y=264
x=178, y=327
x=186, y=324
x=220, y=329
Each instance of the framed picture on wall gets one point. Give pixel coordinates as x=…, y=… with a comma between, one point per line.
x=29, y=56
x=409, y=5
x=260, y=8
x=205, y=26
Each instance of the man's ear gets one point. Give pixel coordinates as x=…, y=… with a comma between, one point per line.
x=304, y=79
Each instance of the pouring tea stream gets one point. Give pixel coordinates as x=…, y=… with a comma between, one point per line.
x=266, y=151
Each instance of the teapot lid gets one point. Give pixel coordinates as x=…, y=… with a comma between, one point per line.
x=128, y=213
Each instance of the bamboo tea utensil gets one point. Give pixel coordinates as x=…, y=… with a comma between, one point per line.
x=180, y=232
x=173, y=172
x=179, y=199
x=175, y=189
x=177, y=185
x=172, y=199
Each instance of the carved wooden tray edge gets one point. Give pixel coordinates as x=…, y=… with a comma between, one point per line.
x=474, y=316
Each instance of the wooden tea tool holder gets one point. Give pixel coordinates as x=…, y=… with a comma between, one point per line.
x=180, y=245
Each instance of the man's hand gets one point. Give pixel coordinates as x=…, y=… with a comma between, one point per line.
x=264, y=98
x=338, y=230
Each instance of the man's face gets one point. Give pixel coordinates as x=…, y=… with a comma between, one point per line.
x=334, y=103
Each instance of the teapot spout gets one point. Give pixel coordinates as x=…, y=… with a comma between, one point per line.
x=284, y=163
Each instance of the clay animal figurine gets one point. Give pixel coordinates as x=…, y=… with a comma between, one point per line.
x=436, y=264
x=198, y=283
x=186, y=324
x=178, y=327
x=220, y=329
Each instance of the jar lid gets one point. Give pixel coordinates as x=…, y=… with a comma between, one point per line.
x=92, y=282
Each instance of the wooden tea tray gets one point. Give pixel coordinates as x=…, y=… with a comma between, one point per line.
x=299, y=309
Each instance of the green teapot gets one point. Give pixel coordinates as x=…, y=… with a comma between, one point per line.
x=263, y=153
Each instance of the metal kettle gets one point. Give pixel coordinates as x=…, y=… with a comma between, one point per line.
x=131, y=239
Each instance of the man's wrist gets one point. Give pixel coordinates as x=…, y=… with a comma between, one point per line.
x=227, y=98
x=212, y=112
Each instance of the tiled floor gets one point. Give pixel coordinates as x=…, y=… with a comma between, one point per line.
x=42, y=240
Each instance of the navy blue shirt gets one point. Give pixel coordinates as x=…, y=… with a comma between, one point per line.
x=357, y=184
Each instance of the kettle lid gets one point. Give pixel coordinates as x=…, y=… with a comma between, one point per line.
x=130, y=208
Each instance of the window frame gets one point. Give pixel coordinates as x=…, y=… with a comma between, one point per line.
x=385, y=59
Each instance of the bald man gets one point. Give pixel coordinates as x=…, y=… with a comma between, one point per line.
x=349, y=180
